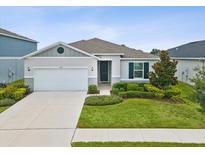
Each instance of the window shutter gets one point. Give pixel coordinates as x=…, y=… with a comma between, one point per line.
x=131, y=69
x=146, y=70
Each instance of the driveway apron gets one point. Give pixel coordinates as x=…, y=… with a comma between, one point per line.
x=42, y=119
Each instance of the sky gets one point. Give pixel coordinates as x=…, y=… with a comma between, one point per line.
x=142, y=28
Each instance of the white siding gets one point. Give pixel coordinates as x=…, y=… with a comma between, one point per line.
x=185, y=70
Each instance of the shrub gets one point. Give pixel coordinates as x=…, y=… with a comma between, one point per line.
x=7, y=102
x=24, y=90
x=18, y=84
x=2, y=85
x=156, y=91
x=121, y=86
x=2, y=94
x=92, y=89
x=9, y=90
x=172, y=91
x=164, y=72
x=115, y=91
x=102, y=100
x=136, y=94
x=134, y=87
x=18, y=94
x=178, y=99
x=199, y=84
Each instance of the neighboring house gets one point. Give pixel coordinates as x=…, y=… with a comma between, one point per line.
x=74, y=66
x=12, y=48
x=189, y=56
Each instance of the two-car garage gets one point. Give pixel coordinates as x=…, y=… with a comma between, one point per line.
x=60, y=79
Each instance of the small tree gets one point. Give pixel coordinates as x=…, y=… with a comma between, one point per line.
x=164, y=72
x=155, y=51
x=199, y=83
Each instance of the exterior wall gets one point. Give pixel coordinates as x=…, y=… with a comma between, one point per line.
x=68, y=52
x=11, y=47
x=115, y=67
x=185, y=70
x=125, y=70
x=89, y=62
x=11, y=70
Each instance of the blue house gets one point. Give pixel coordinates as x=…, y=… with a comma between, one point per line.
x=12, y=48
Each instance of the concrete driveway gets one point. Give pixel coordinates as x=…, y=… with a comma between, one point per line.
x=42, y=119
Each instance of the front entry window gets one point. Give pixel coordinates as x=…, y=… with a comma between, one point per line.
x=138, y=70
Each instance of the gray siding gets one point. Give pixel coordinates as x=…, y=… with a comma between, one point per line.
x=11, y=70
x=11, y=47
x=68, y=52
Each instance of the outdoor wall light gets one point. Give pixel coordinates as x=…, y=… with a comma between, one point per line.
x=28, y=68
x=92, y=69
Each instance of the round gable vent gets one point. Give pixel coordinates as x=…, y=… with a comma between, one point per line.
x=60, y=50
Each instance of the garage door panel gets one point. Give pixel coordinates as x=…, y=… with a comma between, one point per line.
x=61, y=79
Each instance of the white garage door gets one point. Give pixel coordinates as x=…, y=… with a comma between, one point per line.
x=60, y=79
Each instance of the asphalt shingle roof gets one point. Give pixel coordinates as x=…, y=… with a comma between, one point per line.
x=97, y=45
x=6, y=32
x=189, y=50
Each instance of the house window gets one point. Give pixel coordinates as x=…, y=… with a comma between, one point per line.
x=138, y=70
x=60, y=50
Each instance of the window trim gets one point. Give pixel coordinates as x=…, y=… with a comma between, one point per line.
x=134, y=70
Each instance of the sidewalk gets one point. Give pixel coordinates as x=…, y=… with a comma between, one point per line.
x=140, y=135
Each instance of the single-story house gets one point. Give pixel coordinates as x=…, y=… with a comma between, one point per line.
x=189, y=56
x=12, y=47
x=76, y=65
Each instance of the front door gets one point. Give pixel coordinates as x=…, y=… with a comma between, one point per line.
x=104, y=71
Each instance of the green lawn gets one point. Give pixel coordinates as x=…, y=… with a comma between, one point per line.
x=143, y=113
x=3, y=108
x=146, y=113
x=135, y=144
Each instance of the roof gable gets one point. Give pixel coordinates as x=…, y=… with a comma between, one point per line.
x=69, y=51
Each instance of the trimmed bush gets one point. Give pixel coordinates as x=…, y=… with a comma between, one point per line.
x=102, y=100
x=2, y=94
x=136, y=94
x=7, y=102
x=134, y=87
x=156, y=91
x=178, y=99
x=173, y=91
x=18, y=84
x=9, y=90
x=24, y=90
x=18, y=94
x=121, y=86
x=92, y=89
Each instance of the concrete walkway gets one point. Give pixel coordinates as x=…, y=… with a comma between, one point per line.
x=42, y=119
x=141, y=135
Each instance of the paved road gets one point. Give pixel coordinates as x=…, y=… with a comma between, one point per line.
x=42, y=119
x=141, y=135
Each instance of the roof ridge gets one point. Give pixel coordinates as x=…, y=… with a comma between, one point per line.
x=122, y=45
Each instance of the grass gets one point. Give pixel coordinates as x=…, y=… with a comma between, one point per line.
x=3, y=108
x=143, y=113
x=136, y=144
x=146, y=113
